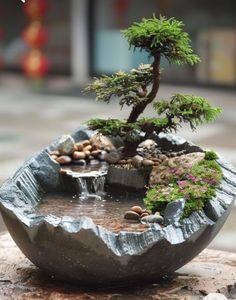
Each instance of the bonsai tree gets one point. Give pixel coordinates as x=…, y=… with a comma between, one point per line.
x=160, y=38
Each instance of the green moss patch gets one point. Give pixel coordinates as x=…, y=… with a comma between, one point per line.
x=197, y=185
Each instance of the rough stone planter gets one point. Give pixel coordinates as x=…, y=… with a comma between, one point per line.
x=79, y=251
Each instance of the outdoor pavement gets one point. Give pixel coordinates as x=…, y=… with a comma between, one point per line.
x=30, y=121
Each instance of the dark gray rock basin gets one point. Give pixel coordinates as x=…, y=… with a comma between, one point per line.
x=79, y=251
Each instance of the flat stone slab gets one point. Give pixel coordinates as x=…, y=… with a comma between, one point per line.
x=126, y=178
x=210, y=272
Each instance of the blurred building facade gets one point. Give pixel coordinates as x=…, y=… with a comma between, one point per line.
x=85, y=37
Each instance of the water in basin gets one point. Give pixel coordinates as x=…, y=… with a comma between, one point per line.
x=106, y=206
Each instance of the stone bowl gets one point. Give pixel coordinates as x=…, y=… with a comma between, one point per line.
x=79, y=251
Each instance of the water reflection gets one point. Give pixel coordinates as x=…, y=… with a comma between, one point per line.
x=107, y=211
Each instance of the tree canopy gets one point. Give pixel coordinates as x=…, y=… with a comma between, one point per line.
x=160, y=38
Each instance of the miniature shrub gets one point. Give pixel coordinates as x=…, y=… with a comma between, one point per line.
x=160, y=38
x=197, y=186
x=211, y=155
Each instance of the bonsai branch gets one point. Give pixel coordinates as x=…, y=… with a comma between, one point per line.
x=139, y=108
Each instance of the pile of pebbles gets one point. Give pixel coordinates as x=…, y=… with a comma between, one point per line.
x=81, y=153
x=148, y=155
x=138, y=214
x=100, y=148
x=137, y=161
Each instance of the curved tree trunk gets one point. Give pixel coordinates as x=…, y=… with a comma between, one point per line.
x=139, y=108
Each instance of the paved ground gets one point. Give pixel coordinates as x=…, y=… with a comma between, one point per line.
x=29, y=121
x=210, y=272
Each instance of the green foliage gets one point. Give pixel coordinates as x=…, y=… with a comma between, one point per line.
x=162, y=36
x=109, y=126
x=127, y=86
x=121, y=127
x=149, y=125
x=159, y=37
x=187, y=109
x=211, y=155
x=197, y=186
x=181, y=109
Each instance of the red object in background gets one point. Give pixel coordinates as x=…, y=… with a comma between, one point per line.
x=36, y=9
x=35, y=35
x=2, y=33
x=35, y=64
x=120, y=7
x=1, y=63
x=2, y=36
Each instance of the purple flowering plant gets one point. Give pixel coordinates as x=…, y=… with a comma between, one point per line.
x=196, y=184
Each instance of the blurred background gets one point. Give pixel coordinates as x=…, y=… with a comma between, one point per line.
x=50, y=50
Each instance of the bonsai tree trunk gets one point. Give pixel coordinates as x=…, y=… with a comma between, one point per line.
x=130, y=147
x=139, y=108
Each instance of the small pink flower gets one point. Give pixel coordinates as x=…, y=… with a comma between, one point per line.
x=191, y=177
x=182, y=183
x=183, y=191
x=178, y=172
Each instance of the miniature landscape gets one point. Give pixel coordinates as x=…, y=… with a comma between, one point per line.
x=124, y=201
x=176, y=183
x=173, y=180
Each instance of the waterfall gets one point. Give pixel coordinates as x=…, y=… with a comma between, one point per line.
x=89, y=185
x=81, y=186
x=98, y=184
x=87, y=182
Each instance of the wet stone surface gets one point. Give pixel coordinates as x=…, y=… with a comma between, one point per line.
x=152, y=219
x=174, y=211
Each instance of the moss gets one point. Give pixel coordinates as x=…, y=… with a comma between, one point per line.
x=197, y=186
x=210, y=155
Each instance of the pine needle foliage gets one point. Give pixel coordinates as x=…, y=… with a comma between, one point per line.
x=160, y=38
x=129, y=87
x=163, y=36
x=122, y=128
x=187, y=109
x=172, y=114
x=110, y=126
